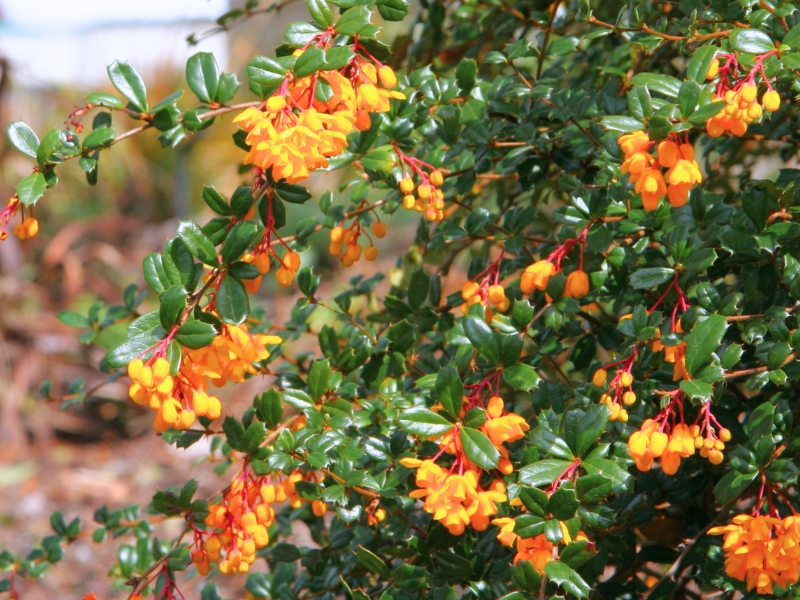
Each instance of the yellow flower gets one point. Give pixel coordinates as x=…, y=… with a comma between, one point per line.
x=633, y=143
x=652, y=187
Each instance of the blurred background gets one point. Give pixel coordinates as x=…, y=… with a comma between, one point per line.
x=90, y=247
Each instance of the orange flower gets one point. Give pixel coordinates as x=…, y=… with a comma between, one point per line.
x=536, y=276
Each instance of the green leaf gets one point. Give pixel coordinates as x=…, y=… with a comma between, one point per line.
x=704, y=339
x=99, y=138
x=129, y=84
x=173, y=303
x=233, y=303
x=593, y=488
x=705, y=112
x=700, y=63
x=563, y=503
x=337, y=57
x=733, y=484
x=751, y=41
x=688, y=97
x=353, y=21
x=23, y=138
x=576, y=554
x=378, y=160
x=133, y=347
x=650, y=277
x=195, y=334
x=318, y=378
x=73, y=319
x=216, y=201
x=423, y=422
x=321, y=13
x=31, y=188
x=622, y=124
x=478, y=448
x=521, y=377
x=590, y=427
x=202, y=75
x=292, y=193
x=792, y=38
x=309, y=62
x=266, y=71
x=450, y=390
x=480, y=336
x=700, y=260
x=562, y=574
x=393, y=10
x=535, y=500
x=543, y=472
x=696, y=389
x=372, y=562
x=640, y=105
x=103, y=99
x=269, y=407
x=238, y=241
x=663, y=84
x=198, y=244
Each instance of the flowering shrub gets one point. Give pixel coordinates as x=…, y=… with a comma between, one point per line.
x=577, y=377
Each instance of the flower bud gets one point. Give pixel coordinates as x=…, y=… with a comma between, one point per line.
x=599, y=377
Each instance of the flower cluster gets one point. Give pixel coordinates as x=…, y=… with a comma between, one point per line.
x=739, y=93
x=294, y=133
x=710, y=436
x=239, y=523
x=619, y=392
x=645, y=170
x=485, y=288
x=455, y=499
x=230, y=357
x=429, y=198
x=261, y=261
x=762, y=550
x=537, y=275
x=537, y=550
x=456, y=496
x=26, y=229
x=344, y=242
x=178, y=399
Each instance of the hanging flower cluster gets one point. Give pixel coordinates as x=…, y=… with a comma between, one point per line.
x=666, y=437
x=294, y=133
x=178, y=399
x=456, y=496
x=429, y=198
x=645, y=170
x=238, y=524
x=26, y=229
x=738, y=89
x=485, y=288
x=619, y=392
x=537, y=550
x=762, y=550
x=537, y=275
x=344, y=240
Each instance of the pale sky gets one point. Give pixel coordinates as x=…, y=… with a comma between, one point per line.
x=61, y=41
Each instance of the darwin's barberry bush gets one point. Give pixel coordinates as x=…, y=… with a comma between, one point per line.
x=581, y=378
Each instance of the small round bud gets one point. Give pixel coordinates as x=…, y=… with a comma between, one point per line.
x=599, y=377
x=371, y=253
x=628, y=398
x=378, y=229
x=626, y=379
x=725, y=435
x=436, y=178
x=406, y=185
x=276, y=103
